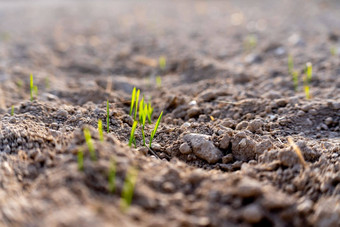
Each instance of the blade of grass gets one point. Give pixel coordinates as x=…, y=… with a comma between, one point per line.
x=141, y=110
x=89, y=142
x=12, y=110
x=133, y=96
x=137, y=100
x=80, y=158
x=128, y=188
x=31, y=87
x=100, y=130
x=132, y=134
x=155, y=129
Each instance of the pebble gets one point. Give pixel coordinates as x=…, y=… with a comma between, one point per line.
x=252, y=213
x=248, y=188
x=243, y=148
x=329, y=121
x=203, y=148
x=62, y=113
x=193, y=112
x=12, y=120
x=255, y=126
x=288, y=158
x=300, y=113
x=156, y=146
x=185, y=148
x=227, y=159
x=225, y=141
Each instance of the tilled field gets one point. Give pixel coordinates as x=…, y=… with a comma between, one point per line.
x=222, y=155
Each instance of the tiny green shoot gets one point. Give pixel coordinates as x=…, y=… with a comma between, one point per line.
x=309, y=71
x=112, y=176
x=159, y=81
x=100, y=130
x=307, y=79
x=132, y=134
x=145, y=112
x=19, y=83
x=162, y=62
x=150, y=111
x=155, y=129
x=141, y=110
x=295, y=76
x=290, y=64
x=80, y=158
x=250, y=43
x=136, y=108
x=89, y=142
x=133, y=97
x=12, y=110
x=333, y=51
x=31, y=87
x=107, y=116
x=128, y=188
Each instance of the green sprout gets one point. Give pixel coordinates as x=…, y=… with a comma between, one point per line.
x=47, y=83
x=19, y=83
x=250, y=43
x=290, y=64
x=107, y=116
x=162, y=62
x=133, y=97
x=31, y=87
x=141, y=109
x=112, y=176
x=12, y=111
x=307, y=79
x=155, y=129
x=100, y=130
x=128, y=188
x=136, y=108
x=333, y=51
x=80, y=158
x=159, y=81
x=89, y=142
x=143, y=122
x=132, y=134
x=295, y=76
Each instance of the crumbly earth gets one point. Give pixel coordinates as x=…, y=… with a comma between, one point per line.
x=222, y=156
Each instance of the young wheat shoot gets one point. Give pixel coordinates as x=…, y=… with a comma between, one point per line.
x=100, y=130
x=89, y=142
x=133, y=97
x=132, y=134
x=155, y=129
x=128, y=188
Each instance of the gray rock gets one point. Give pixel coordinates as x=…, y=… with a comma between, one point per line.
x=243, y=148
x=203, y=148
x=252, y=213
x=225, y=141
x=185, y=148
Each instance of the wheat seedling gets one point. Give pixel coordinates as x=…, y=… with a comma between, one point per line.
x=162, y=62
x=31, y=87
x=133, y=97
x=159, y=81
x=155, y=129
x=307, y=79
x=132, y=134
x=128, y=188
x=12, y=110
x=100, y=130
x=80, y=158
x=89, y=142
x=136, y=108
x=150, y=111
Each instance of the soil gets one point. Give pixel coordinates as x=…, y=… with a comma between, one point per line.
x=222, y=155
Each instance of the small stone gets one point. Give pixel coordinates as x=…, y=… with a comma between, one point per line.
x=143, y=150
x=227, y=159
x=313, y=112
x=203, y=148
x=193, y=112
x=300, y=113
x=329, y=121
x=225, y=141
x=168, y=187
x=288, y=158
x=185, y=148
x=7, y=149
x=242, y=125
x=255, y=126
x=62, y=113
x=248, y=188
x=12, y=120
x=243, y=148
x=156, y=146
x=252, y=213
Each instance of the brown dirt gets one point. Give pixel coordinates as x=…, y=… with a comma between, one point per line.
x=224, y=157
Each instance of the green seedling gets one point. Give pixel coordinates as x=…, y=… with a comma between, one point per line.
x=133, y=97
x=162, y=62
x=333, y=51
x=12, y=111
x=31, y=87
x=132, y=134
x=136, y=108
x=80, y=158
x=141, y=110
x=128, y=188
x=307, y=79
x=309, y=71
x=47, y=83
x=295, y=76
x=100, y=130
x=89, y=142
x=159, y=81
x=107, y=116
x=112, y=176
x=250, y=43
x=143, y=122
x=155, y=129
x=290, y=64
x=19, y=83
